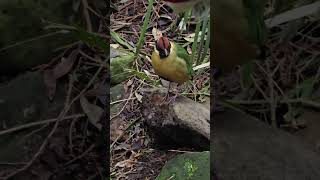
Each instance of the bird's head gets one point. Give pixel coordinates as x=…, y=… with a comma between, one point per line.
x=163, y=45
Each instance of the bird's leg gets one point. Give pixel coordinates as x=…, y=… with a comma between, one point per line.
x=167, y=94
x=173, y=98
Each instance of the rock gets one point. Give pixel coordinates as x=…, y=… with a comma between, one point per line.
x=181, y=123
x=116, y=93
x=24, y=100
x=120, y=61
x=244, y=148
x=193, y=165
x=311, y=133
x=116, y=124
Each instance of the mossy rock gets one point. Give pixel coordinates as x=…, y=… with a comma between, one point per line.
x=187, y=166
x=119, y=64
x=21, y=20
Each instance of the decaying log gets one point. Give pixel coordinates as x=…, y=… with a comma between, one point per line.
x=180, y=122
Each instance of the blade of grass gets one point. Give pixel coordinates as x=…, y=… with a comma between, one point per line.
x=206, y=46
x=32, y=39
x=120, y=40
x=195, y=41
x=144, y=27
x=203, y=34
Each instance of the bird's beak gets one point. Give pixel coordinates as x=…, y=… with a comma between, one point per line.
x=166, y=53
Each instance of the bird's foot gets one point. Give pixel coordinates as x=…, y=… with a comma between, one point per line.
x=169, y=99
x=173, y=98
x=164, y=99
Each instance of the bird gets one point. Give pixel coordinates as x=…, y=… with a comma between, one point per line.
x=171, y=61
x=199, y=7
x=238, y=32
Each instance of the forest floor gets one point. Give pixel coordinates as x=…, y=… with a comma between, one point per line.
x=133, y=153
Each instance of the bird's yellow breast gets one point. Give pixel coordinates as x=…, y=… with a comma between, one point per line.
x=172, y=67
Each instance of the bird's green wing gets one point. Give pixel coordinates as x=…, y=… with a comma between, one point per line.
x=254, y=13
x=182, y=53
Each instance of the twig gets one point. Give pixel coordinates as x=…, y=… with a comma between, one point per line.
x=46, y=141
x=86, y=15
x=121, y=100
x=35, y=131
x=70, y=134
x=12, y=164
x=25, y=126
x=180, y=151
x=60, y=117
x=272, y=100
x=131, y=123
x=258, y=87
x=81, y=155
x=302, y=101
x=127, y=100
x=31, y=39
x=38, y=153
x=89, y=57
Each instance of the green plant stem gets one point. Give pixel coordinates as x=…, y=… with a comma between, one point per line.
x=144, y=27
x=195, y=40
x=206, y=46
x=203, y=35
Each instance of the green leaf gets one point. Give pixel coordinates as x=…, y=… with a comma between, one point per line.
x=120, y=40
x=304, y=89
x=140, y=75
x=246, y=71
x=92, y=39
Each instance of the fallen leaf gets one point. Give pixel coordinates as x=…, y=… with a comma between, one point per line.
x=126, y=163
x=93, y=112
x=182, y=25
x=129, y=83
x=115, y=46
x=99, y=91
x=120, y=40
x=50, y=83
x=65, y=65
x=122, y=146
x=165, y=16
x=190, y=37
x=156, y=33
x=116, y=130
x=138, y=96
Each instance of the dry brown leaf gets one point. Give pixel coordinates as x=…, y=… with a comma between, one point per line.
x=115, y=129
x=125, y=164
x=99, y=91
x=65, y=65
x=138, y=96
x=50, y=83
x=156, y=33
x=93, y=112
